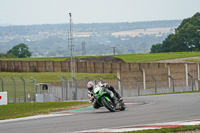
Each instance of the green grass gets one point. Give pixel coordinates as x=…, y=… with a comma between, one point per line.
x=42, y=58
x=156, y=56
x=194, y=60
x=37, y=59
x=168, y=130
x=126, y=57
x=53, y=76
x=16, y=110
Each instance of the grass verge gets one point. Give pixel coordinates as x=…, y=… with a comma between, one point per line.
x=168, y=130
x=194, y=60
x=37, y=59
x=16, y=110
x=156, y=56
x=53, y=76
x=150, y=57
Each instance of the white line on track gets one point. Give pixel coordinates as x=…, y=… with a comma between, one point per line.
x=33, y=117
x=146, y=127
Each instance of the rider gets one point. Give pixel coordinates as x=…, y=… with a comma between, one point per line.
x=113, y=93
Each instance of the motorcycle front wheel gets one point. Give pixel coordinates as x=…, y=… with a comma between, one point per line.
x=108, y=104
x=123, y=107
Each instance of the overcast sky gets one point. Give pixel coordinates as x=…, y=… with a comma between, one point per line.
x=28, y=12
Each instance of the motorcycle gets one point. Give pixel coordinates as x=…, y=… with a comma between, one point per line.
x=102, y=96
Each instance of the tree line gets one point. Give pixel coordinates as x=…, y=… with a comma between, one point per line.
x=185, y=38
x=19, y=51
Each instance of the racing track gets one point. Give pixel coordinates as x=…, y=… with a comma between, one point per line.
x=140, y=111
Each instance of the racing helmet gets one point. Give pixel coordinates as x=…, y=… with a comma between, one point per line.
x=90, y=85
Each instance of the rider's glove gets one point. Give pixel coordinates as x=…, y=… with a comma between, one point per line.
x=90, y=94
x=111, y=94
x=91, y=99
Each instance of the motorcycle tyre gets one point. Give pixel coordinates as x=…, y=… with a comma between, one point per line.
x=107, y=105
x=123, y=107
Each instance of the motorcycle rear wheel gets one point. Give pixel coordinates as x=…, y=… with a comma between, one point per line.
x=108, y=104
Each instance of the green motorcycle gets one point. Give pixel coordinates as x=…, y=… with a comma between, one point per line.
x=103, y=98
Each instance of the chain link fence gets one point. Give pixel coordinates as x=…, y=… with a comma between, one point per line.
x=28, y=90
x=19, y=89
x=134, y=86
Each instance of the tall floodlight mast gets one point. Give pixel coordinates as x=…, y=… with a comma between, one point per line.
x=71, y=48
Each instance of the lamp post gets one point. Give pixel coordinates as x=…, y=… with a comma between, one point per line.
x=71, y=46
x=114, y=50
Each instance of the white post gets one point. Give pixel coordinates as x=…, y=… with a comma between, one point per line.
x=186, y=74
x=198, y=72
x=3, y=98
x=144, y=79
x=169, y=77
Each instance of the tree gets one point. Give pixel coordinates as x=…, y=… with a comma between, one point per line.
x=155, y=48
x=185, y=38
x=2, y=55
x=20, y=51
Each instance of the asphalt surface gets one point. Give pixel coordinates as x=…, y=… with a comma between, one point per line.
x=140, y=110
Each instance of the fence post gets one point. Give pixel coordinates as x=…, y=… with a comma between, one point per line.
x=90, y=80
x=172, y=82
x=138, y=85
x=14, y=87
x=120, y=86
x=34, y=87
x=66, y=87
x=192, y=80
x=75, y=87
x=155, y=84
x=24, y=88
x=87, y=78
x=62, y=86
x=102, y=80
x=2, y=84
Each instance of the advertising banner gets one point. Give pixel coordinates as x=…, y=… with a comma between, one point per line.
x=3, y=98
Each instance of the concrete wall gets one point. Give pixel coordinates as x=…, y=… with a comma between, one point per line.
x=63, y=66
x=143, y=72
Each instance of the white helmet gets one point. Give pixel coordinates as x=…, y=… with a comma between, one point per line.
x=90, y=85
